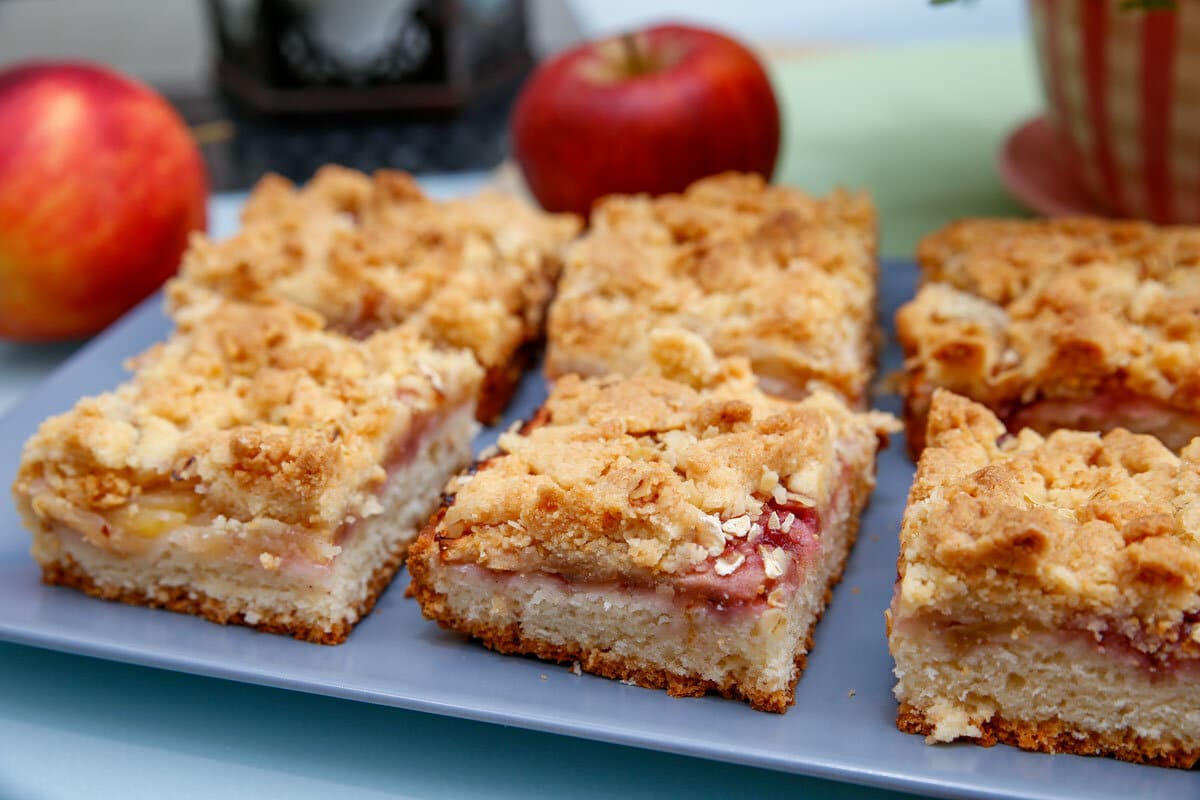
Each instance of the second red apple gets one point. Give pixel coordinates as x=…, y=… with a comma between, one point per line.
x=645, y=112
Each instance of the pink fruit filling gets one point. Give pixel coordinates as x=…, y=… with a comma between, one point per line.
x=738, y=578
x=1175, y=649
x=1171, y=649
x=1108, y=409
x=400, y=455
x=797, y=532
x=796, y=528
x=145, y=528
x=744, y=589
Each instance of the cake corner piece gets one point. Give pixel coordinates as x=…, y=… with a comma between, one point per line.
x=680, y=532
x=254, y=469
x=1049, y=591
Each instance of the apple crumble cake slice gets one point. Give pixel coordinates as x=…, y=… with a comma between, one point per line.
x=678, y=529
x=764, y=272
x=372, y=252
x=254, y=469
x=1049, y=590
x=1077, y=323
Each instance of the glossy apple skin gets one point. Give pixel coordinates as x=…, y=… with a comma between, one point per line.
x=100, y=186
x=578, y=137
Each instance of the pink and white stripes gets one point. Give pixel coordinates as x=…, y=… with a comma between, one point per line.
x=1123, y=91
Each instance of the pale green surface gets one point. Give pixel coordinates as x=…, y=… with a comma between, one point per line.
x=919, y=127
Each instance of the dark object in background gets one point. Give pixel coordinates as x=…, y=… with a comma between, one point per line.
x=420, y=85
x=321, y=56
x=240, y=147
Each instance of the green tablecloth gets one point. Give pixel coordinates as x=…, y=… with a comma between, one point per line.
x=919, y=127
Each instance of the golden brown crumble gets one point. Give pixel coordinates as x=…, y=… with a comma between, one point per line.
x=369, y=252
x=999, y=259
x=1055, y=531
x=764, y=272
x=646, y=475
x=1013, y=311
x=250, y=421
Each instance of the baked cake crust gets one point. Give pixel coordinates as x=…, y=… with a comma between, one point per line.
x=663, y=482
x=253, y=439
x=1104, y=525
x=1075, y=538
x=512, y=640
x=1053, y=736
x=255, y=415
x=1016, y=312
x=634, y=475
x=372, y=252
x=187, y=600
x=763, y=272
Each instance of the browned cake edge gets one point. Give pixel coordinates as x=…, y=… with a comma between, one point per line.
x=1055, y=736
x=916, y=396
x=500, y=383
x=182, y=599
x=510, y=640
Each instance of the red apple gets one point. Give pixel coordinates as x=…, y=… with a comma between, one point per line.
x=100, y=185
x=645, y=112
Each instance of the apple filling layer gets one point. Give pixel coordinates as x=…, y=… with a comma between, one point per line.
x=760, y=568
x=1176, y=648
x=744, y=634
x=1048, y=590
x=1174, y=426
x=176, y=515
x=1050, y=690
x=1108, y=409
x=765, y=558
x=201, y=568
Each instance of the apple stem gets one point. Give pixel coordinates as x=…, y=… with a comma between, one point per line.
x=634, y=61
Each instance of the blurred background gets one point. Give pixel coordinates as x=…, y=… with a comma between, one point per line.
x=423, y=85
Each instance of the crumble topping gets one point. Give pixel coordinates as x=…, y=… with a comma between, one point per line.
x=250, y=417
x=775, y=560
x=763, y=272
x=1018, y=310
x=639, y=476
x=369, y=252
x=1073, y=530
x=999, y=259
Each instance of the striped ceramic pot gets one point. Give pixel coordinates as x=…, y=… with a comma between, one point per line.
x=1123, y=92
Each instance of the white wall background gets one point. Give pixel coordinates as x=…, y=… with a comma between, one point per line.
x=163, y=41
x=167, y=41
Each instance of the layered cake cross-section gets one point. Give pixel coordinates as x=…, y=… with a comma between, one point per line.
x=374, y=252
x=678, y=529
x=1075, y=323
x=1049, y=590
x=767, y=273
x=255, y=469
